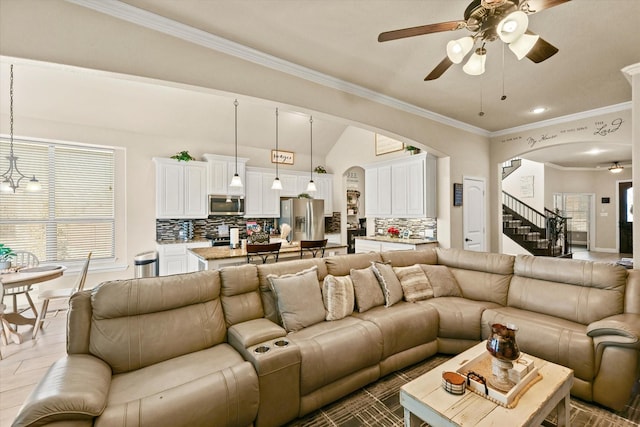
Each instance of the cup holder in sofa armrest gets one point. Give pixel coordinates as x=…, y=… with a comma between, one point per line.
x=261, y=349
x=281, y=343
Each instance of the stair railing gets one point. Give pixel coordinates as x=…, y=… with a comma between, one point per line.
x=533, y=216
x=558, y=227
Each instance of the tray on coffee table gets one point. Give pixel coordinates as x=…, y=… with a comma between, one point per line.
x=481, y=365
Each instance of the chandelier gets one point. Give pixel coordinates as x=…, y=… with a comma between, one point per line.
x=12, y=177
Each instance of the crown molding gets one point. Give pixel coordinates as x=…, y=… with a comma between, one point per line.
x=563, y=119
x=176, y=29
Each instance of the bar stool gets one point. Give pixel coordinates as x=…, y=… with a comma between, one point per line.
x=263, y=251
x=313, y=246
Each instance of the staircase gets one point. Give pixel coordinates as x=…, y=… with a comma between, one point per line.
x=540, y=234
x=510, y=166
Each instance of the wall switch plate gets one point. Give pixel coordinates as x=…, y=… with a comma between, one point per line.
x=429, y=233
x=380, y=231
x=604, y=213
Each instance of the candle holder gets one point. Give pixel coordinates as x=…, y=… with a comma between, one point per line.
x=504, y=349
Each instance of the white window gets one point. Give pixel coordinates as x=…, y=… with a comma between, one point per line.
x=73, y=214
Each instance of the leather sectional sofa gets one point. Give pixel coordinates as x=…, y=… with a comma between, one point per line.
x=250, y=345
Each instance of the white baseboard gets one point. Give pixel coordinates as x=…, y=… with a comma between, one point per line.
x=607, y=250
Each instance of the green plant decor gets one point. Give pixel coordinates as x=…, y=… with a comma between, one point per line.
x=320, y=169
x=183, y=156
x=304, y=196
x=412, y=149
x=5, y=253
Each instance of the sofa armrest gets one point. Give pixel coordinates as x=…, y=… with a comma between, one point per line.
x=74, y=388
x=621, y=329
x=244, y=335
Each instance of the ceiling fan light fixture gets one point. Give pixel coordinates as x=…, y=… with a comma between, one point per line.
x=512, y=26
x=475, y=64
x=458, y=49
x=523, y=45
x=616, y=168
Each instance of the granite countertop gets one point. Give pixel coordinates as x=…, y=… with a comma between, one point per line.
x=225, y=252
x=410, y=241
x=182, y=241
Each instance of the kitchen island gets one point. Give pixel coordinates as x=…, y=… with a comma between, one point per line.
x=216, y=257
x=385, y=243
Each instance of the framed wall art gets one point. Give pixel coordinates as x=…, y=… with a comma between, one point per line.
x=385, y=145
x=284, y=157
x=457, y=194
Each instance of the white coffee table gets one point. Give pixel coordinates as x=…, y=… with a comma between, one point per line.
x=424, y=399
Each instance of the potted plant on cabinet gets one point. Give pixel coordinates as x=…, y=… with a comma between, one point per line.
x=5, y=257
x=411, y=149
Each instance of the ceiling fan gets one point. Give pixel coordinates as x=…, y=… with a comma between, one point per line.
x=488, y=20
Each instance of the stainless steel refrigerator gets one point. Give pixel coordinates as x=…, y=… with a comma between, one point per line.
x=304, y=216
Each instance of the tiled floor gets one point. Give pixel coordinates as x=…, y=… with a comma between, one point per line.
x=24, y=364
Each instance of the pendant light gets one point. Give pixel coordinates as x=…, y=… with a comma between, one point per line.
x=311, y=187
x=10, y=183
x=236, y=182
x=277, y=185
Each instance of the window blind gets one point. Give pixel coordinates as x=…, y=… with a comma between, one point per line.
x=75, y=211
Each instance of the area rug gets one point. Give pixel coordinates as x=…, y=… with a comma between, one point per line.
x=378, y=405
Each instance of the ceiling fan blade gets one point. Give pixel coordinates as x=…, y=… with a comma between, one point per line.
x=440, y=69
x=541, y=51
x=420, y=30
x=538, y=5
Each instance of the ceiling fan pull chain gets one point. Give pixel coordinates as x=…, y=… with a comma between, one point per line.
x=481, y=113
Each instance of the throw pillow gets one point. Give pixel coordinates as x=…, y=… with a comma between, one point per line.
x=414, y=282
x=442, y=281
x=367, y=291
x=298, y=298
x=338, y=297
x=391, y=288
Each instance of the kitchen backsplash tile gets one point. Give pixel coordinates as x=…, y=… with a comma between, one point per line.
x=332, y=223
x=419, y=227
x=170, y=229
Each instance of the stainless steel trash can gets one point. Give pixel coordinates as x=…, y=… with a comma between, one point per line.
x=146, y=264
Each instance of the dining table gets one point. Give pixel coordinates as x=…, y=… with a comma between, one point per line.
x=24, y=278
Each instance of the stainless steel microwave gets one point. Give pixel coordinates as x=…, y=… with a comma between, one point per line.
x=225, y=205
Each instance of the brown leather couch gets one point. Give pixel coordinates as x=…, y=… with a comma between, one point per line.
x=209, y=348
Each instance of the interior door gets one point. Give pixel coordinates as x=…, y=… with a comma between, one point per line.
x=625, y=215
x=473, y=212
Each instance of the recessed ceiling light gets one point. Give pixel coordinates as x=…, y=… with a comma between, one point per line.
x=538, y=110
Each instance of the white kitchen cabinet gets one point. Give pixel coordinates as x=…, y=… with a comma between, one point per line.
x=407, y=188
x=221, y=170
x=384, y=244
x=174, y=258
x=401, y=188
x=290, y=186
x=378, y=197
x=295, y=183
x=324, y=184
x=181, y=189
x=260, y=200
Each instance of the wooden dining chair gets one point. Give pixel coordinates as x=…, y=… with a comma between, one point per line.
x=3, y=333
x=314, y=247
x=47, y=295
x=263, y=251
x=23, y=259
